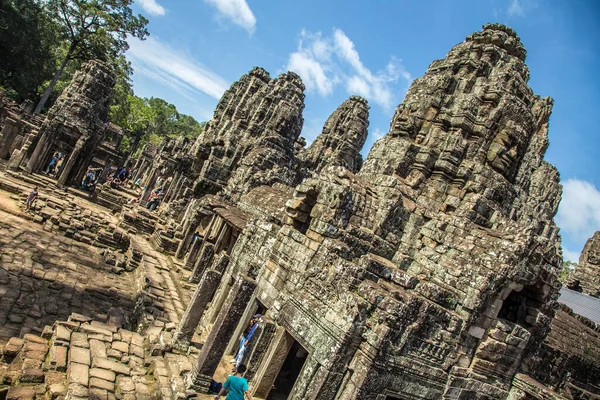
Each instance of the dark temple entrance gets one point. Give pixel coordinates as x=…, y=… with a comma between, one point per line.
x=289, y=372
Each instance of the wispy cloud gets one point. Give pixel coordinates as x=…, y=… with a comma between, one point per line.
x=569, y=255
x=174, y=68
x=377, y=134
x=152, y=7
x=312, y=72
x=326, y=61
x=579, y=213
x=515, y=9
x=237, y=11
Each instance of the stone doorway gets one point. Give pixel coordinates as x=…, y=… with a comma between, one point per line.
x=289, y=372
x=254, y=307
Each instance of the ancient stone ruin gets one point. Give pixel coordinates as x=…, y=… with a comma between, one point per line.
x=428, y=271
x=586, y=277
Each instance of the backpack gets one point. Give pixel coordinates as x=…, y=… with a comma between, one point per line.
x=215, y=387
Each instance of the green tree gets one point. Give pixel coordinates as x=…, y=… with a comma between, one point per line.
x=138, y=121
x=151, y=120
x=92, y=29
x=166, y=117
x=120, y=106
x=567, y=268
x=28, y=40
x=188, y=126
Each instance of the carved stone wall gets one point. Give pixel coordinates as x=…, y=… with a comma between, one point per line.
x=343, y=136
x=77, y=122
x=432, y=272
x=586, y=276
x=250, y=140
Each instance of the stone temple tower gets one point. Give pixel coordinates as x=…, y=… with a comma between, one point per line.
x=77, y=122
x=343, y=136
x=432, y=271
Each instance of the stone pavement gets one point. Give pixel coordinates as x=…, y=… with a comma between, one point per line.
x=45, y=277
x=64, y=310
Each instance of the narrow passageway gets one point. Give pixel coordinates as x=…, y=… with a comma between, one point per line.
x=289, y=372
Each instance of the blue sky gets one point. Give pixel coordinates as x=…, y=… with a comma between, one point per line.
x=197, y=48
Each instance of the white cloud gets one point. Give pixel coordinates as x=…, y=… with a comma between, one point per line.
x=569, y=255
x=377, y=134
x=324, y=62
x=180, y=71
x=238, y=11
x=579, y=213
x=152, y=7
x=516, y=9
x=311, y=71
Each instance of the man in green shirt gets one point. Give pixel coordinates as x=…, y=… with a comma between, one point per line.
x=237, y=386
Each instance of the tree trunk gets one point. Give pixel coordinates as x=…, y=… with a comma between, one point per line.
x=50, y=87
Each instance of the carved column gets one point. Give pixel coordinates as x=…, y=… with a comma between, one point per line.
x=180, y=186
x=223, y=238
x=173, y=187
x=149, y=185
x=259, y=346
x=221, y=263
x=204, y=260
x=189, y=228
x=192, y=255
x=37, y=156
x=216, y=343
x=215, y=228
x=66, y=170
x=7, y=136
x=202, y=296
x=137, y=168
x=19, y=154
x=267, y=372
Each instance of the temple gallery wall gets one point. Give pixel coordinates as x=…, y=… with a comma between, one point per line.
x=427, y=270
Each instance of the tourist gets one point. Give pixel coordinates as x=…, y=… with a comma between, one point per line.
x=52, y=165
x=59, y=164
x=32, y=198
x=118, y=172
x=245, y=339
x=237, y=386
x=154, y=199
x=123, y=174
x=88, y=180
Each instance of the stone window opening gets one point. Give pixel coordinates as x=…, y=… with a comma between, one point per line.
x=522, y=306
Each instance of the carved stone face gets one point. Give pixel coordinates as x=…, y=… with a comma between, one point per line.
x=594, y=257
x=504, y=150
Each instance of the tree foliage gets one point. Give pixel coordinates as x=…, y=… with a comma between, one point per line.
x=152, y=120
x=43, y=43
x=567, y=268
x=92, y=29
x=28, y=44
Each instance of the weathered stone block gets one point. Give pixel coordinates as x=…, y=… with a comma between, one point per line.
x=79, y=355
x=78, y=374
